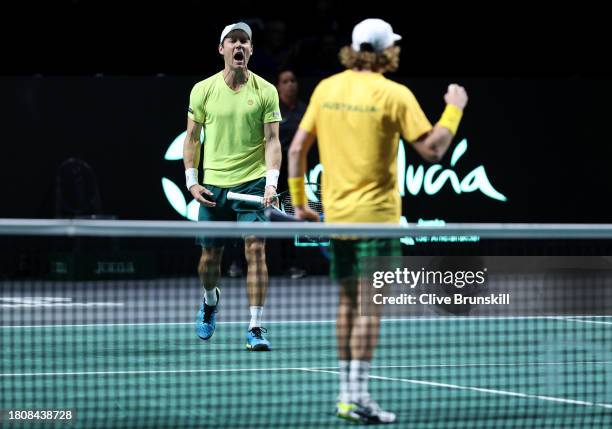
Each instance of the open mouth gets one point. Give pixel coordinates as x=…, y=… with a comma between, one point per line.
x=238, y=56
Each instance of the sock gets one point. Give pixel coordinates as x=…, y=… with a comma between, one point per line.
x=210, y=297
x=344, y=370
x=358, y=380
x=255, y=317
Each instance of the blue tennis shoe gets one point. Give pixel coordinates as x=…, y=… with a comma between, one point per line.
x=207, y=318
x=256, y=341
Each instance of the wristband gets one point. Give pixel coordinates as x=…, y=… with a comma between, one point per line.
x=450, y=118
x=272, y=178
x=191, y=176
x=297, y=191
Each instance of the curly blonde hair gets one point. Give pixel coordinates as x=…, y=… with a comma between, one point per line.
x=385, y=61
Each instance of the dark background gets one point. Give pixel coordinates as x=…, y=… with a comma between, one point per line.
x=109, y=83
x=439, y=39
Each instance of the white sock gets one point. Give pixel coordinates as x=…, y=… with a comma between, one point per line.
x=345, y=368
x=358, y=380
x=255, y=317
x=210, y=297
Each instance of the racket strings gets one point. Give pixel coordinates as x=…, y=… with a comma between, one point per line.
x=315, y=204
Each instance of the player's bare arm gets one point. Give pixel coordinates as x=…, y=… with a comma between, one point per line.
x=191, y=158
x=433, y=145
x=298, y=153
x=274, y=157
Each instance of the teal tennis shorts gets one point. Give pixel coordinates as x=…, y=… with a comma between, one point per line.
x=227, y=210
x=347, y=256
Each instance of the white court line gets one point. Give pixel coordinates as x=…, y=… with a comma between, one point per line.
x=186, y=371
x=271, y=322
x=480, y=389
x=475, y=365
x=89, y=325
x=161, y=371
x=577, y=320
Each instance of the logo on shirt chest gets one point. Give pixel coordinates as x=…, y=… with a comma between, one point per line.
x=250, y=102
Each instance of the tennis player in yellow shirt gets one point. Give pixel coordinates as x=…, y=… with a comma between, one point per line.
x=357, y=117
x=239, y=112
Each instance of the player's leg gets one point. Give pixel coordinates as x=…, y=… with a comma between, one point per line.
x=363, y=333
x=209, y=268
x=342, y=270
x=209, y=271
x=257, y=289
x=347, y=310
x=257, y=270
x=257, y=277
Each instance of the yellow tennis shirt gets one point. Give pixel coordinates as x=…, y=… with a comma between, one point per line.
x=234, y=144
x=358, y=118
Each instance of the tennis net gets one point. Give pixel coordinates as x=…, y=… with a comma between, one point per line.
x=484, y=325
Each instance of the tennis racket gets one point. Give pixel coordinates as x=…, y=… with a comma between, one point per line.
x=285, y=212
x=257, y=201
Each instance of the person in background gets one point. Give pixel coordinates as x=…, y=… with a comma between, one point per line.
x=292, y=111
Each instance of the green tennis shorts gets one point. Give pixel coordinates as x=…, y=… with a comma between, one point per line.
x=232, y=211
x=347, y=255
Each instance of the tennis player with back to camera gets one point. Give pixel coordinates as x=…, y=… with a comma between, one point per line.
x=357, y=117
x=242, y=153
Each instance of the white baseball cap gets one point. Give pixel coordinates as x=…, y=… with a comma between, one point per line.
x=237, y=26
x=376, y=32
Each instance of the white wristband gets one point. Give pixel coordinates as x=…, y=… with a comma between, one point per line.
x=272, y=178
x=191, y=175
